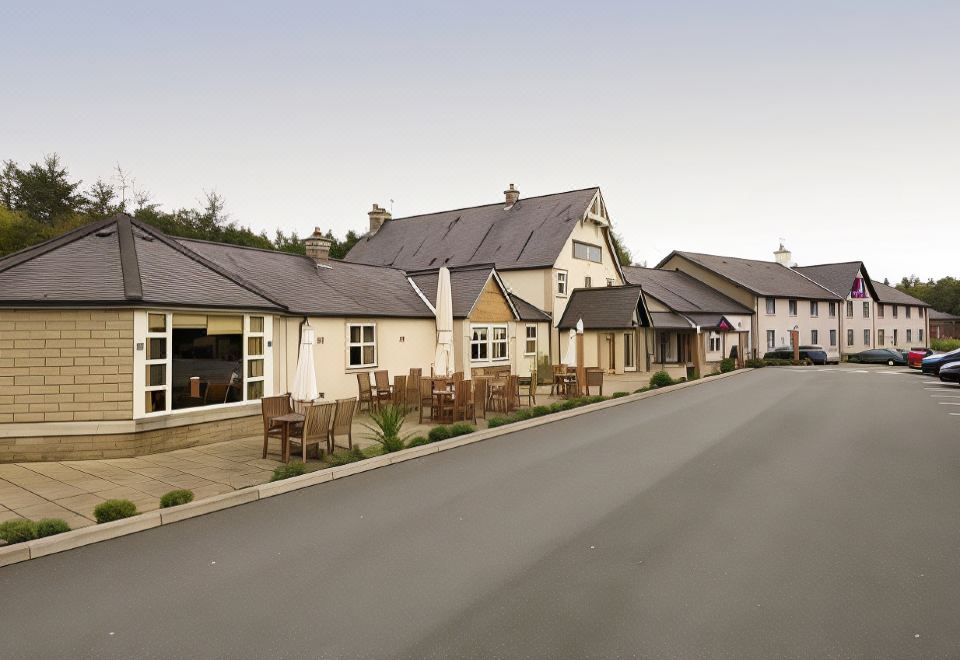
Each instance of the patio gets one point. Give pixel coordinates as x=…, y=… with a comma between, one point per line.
x=71, y=489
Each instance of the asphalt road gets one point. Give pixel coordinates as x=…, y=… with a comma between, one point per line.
x=780, y=513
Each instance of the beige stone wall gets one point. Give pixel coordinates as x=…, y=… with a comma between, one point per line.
x=65, y=365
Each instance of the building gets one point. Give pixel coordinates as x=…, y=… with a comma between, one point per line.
x=943, y=325
x=542, y=247
x=902, y=321
x=858, y=316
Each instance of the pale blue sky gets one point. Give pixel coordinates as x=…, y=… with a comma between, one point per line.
x=710, y=126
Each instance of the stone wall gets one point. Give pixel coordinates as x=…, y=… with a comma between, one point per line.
x=65, y=366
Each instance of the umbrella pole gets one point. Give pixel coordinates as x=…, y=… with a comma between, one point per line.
x=581, y=372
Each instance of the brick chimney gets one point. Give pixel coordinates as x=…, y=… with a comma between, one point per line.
x=784, y=257
x=318, y=246
x=377, y=217
x=512, y=195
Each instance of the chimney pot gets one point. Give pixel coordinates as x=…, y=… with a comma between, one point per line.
x=318, y=246
x=784, y=257
x=512, y=195
x=377, y=217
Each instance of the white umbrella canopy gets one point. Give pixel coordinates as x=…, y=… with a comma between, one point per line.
x=305, y=379
x=570, y=357
x=443, y=362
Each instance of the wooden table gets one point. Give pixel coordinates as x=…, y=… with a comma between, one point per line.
x=287, y=422
x=438, y=397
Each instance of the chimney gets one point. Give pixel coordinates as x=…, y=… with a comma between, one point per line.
x=784, y=257
x=318, y=246
x=377, y=217
x=512, y=195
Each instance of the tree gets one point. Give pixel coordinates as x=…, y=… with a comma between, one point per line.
x=943, y=294
x=623, y=252
x=100, y=200
x=43, y=191
x=339, y=249
x=8, y=183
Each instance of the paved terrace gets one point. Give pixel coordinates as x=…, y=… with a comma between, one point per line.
x=72, y=489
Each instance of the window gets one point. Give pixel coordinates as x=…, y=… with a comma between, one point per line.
x=866, y=310
x=792, y=307
x=586, y=251
x=833, y=337
x=920, y=335
x=771, y=339
x=587, y=282
x=814, y=309
x=849, y=337
x=895, y=311
x=896, y=337
x=909, y=335
x=849, y=309
x=715, y=342
x=880, y=338
x=814, y=337
x=771, y=305
x=879, y=310
x=155, y=380
x=490, y=342
x=920, y=312
x=866, y=337
x=561, y=282
x=629, y=354
x=530, y=345
x=833, y=310
x=908, y=308
x=609, y=281
x=362, y=347
x=255, y=370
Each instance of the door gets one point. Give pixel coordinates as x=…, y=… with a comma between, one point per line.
x=629, y=351
x=612, y=358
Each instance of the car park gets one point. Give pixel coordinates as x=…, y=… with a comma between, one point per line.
x=886, y=356
x=815, y=354
x=950, y=372
x=932, y=363
x=916, y=355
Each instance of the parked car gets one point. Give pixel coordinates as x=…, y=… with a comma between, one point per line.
x=932, y=363
x=886, y=356
x=916, y=355
x=950, y=372
x=815, y=354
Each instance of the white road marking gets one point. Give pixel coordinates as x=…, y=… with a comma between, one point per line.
x=946, y=396
x=954, y=414
x=948, y=403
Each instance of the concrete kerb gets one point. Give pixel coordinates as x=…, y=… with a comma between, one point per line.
x=74, y=539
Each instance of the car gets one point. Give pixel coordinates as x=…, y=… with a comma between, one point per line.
x=916, y=355
x=932, y=363
x=886, y=356
x=815, y=354
x=950, y=372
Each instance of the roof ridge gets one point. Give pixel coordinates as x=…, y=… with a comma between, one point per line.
x=832, y=263
x=480, y=206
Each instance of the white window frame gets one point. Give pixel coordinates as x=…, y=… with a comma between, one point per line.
x=815, y=337
x=850, y=337
x=629, y=351
x=792, y=307
x=879, y=310
x=849, y=309
x=909, y=335
x=142, y=334
x=589, y=250
x=587, y=282
x=248, y=358
x=488, y=342
x=770, y=306
x=715, y=342
x=833, y=337
x=866, y=309
x=610, y=281
x=771, y=339
x=881, y=337
x=814, y=309
x=361, y=344
x=832, y=310
x=527, y=339
x=908, y=308
x=866, y=336
x=561, y=283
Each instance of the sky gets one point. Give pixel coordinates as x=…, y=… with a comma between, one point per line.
x=719, y=127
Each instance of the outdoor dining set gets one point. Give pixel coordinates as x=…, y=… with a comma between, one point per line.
x=307, y=424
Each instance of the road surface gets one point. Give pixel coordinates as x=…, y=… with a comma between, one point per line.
x=779, y=513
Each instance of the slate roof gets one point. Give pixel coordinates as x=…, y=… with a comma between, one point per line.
x=681, y=292
x=936, y=315
x=466, y=285
x=530, y=234
x=602, y=308
x=889, y=294
x=838, y=277
x=670, y=321
x=120, y=261
x=336, y=288
x=762, y=278
x=528, y=311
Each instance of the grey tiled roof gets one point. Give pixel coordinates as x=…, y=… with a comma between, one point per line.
x=527, y=311
x=530, y=234
x=889, y=294
x=669, y=321
x=762, y=278
x=466, y=285
x=602, y=308
x=682, y=292
x=936, y=315
x=837, y=277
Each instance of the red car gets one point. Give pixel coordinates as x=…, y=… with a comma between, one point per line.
x=916, y=355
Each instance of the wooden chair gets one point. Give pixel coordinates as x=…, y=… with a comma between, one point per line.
x=366, y=393
x=463, y=402
x=384, y=391
x=594, y=379
x=343, y=422
x=498, y=397
x=557, y=386
x=413, y=388
x=315, y=429
x=400, y=390
x=531, y=394
x=270, y=407
x=425, y=396
x=480, y=394
x=513, y=392
x=457, y=376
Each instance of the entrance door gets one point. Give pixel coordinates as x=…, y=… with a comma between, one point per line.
x=629, y=351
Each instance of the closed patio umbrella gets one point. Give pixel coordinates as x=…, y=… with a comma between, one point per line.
x=443, y=363
x=570, y=357
x=305, y=380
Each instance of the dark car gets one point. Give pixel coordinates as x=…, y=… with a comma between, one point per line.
x=815, y=354
x=950, y=372
x=886, y=356
x=932, y=363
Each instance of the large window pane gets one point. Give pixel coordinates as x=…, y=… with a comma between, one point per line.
x=207, y=359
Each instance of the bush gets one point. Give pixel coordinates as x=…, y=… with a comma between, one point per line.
x=115, y=510
x=642, y=389
x=461, y=428
x=540, y=411
x=176, y=498
x=660, y=379
x=597, y=398
x=50, y=527
x=438, y=433
x=294, y=469
x=18, y=531
x=418, y=441
x=494, y=422
x=617, y=395
x=387, y=423
x=522, y=414
x=754, y=363
x=945, y=345
x=346, y=456
x=556, y=406
x=727, y=364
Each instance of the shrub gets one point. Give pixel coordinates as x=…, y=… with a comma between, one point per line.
x=660, y=379
x=438, y=433
x=346, y=456
x=461, y=428
x=115, y=510
x=176, y=498
x=387, y=424
x=540, y=411
x=727, y=364
x=418, y=441
x=294, y=469
x=642, y=389
x=18, y=531
x=597, y=398
x=51, y=526
x=944, y=345
x=556, y=407
x=569, y=404
x=754, y=363
x=522, y=414
x=617, y=395
x=494, y=422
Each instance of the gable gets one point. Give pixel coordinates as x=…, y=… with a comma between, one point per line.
x=491, y=306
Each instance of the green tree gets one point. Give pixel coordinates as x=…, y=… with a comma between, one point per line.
x=43, y=191
x=943, y=294
x=623, y=252
x=100, y=200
